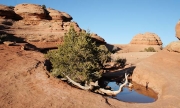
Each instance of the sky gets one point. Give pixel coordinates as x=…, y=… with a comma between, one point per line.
x=118, y=21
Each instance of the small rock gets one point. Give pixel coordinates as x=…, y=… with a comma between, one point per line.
x=8, y=43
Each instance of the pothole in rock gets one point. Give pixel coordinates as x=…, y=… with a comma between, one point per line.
x=135, y=94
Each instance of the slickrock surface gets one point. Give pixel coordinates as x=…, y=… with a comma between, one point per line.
x=161, y=70
x=24, y=82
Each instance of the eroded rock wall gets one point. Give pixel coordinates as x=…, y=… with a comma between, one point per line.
x=37, y=25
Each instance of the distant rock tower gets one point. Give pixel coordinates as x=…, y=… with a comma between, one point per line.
x=146, y=39
x=177, y=29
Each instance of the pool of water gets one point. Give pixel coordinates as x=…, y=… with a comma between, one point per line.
x=138, y=94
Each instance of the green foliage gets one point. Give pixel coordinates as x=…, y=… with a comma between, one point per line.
x=78, y=57
x=45, y=9
x=103, y=55
x=150, y=49
x=12, y=7
x=121, y=61
x=44, y=6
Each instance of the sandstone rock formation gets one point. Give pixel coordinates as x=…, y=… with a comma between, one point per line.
x=146, y=39
x=178, y=30
x=97, y=38
x=37, y=25
x=161, y=70
x=173, y=47
x=57, y=15
x=30, y=11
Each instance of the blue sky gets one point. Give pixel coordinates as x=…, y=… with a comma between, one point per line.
x=117, y=21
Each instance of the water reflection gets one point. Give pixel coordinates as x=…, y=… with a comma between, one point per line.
x=137, y=93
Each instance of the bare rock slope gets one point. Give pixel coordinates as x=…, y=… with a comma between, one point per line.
x=161, y=72
x=28, y=84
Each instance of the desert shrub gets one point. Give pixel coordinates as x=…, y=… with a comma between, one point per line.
x=103, y=55
x=150, y=49
x=12, y=7
x=2, y=37
x=121, y=61
x=44, y=6
x=45, y=9
x=78, y=57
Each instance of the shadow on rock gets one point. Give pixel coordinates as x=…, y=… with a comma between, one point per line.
x=118, y=73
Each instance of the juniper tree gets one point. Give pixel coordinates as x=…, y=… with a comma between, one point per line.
x=78, y=57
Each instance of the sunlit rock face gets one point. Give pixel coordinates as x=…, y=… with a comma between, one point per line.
x=41, y=27
x=173, y=47
x=30, y=11
x=97, y=38
x=146, y=39
x=177, y=28
x=57, y=15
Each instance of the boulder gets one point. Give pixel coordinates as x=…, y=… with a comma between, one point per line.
x=57, y=15
x=177, y=28
x=6, y=12
x=97, y=38
x=67, y=17
x=67, y=25
x=146, y=39
x=173, y=47
x=30, y=11
x=8, y=43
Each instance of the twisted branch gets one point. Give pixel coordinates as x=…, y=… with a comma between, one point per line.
x=100, y=90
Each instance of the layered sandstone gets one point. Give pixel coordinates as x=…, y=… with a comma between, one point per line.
x=177, y=28
x=37, y=25
x=30, y=11
x=57, y=15
x=146, y=39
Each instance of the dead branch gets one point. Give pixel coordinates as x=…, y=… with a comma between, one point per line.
x=113, y=93
x=79, y=85
x=100, y=90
